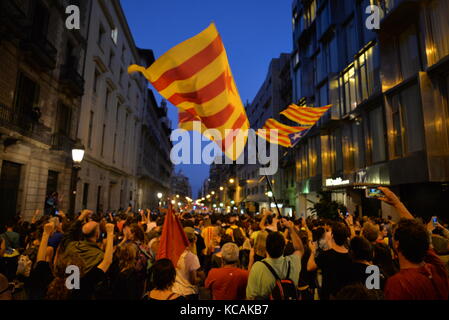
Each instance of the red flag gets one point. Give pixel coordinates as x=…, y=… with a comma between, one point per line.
x=173, y=239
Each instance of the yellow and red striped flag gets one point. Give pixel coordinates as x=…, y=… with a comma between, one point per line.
x=196, y=77
x=304, y=115
x=284, y=132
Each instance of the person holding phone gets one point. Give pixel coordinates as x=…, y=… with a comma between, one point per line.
x=422, y=275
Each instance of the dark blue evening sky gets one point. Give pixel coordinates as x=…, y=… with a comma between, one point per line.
x=253, y=32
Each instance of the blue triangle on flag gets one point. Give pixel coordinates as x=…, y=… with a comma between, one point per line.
x=297, y=136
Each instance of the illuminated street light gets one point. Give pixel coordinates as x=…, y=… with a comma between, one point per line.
x=231, y=180
x=213, y=192
x=208, y=196
x=214, y=205
x=232, y=201
x=177, y=196
x=179, y=203
x=270, y=194
x=173, y=202
x=221, y=204
x=159, y=195
x=221, y=188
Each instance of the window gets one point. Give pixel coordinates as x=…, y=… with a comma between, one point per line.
x=102, y=139
x=438, y=46
x=351, y=41
x=91, y=124
x=96, y=79
x=324, y=20
x=366, y=74
x=106, y=101
x=101, y=34
x=376, y=135
x=26, y=96
x=323, y=95
x=64, y=120
x=407, y=122
x=85, y=195
x=349, y=93
x=114, y=35
x=111, y=60
x=409, y=53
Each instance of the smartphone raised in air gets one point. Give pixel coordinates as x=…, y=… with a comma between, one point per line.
x=374, y=193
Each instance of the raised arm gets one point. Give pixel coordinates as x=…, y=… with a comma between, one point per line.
x=107, y=259
x=394, y=201
x=297, y=242
x=311, y=264
x=42, y=252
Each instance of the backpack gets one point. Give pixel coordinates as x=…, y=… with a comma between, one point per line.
x=283, y=289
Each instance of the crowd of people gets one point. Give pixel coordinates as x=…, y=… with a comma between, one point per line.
x=228, y=257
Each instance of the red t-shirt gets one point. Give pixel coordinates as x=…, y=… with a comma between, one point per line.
x=429, y=282
x=227, y=283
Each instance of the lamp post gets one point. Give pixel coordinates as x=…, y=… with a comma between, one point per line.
x=77, y=157
x=159, y=196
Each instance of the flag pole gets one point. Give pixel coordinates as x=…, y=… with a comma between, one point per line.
x=269, y=184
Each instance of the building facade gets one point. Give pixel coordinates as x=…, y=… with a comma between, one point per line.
x=59, y=86
x=273, y=97
x=180, y=186
x=41, y=85
x=389, y=120
x=126, y=159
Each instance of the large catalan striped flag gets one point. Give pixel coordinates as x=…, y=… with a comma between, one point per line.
x=196, y=77
x=304, y=115
x=283, y=132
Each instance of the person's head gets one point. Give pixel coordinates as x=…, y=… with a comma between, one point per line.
x=260, y=244
x=162, y=275
x=361, y=249
x=370, y=231
x=275, y=244
x=91, y=231
x=57, y=290
x=340, y=233
x=411, y=240
x=190, y=233
x=126, y=255
x=134, y=232
x=230, y=253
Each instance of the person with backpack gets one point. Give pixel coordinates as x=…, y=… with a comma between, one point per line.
x=276, y=277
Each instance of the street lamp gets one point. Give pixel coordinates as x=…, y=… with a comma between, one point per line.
x=221, y=188
x=270, y=194
x=231, y=180
x=179, y=204
x=159, y=195
x=77, y=157
x=232, y=201
x=208, y=196
x=213, y=192
x=173, y=202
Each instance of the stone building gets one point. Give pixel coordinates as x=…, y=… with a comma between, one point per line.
x=41, y=85
x=117, y=111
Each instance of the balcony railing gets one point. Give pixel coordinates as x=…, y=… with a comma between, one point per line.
x=40, y=50
x=72, y=80
x=24, y=124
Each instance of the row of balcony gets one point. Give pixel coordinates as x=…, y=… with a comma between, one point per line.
x=24, y=124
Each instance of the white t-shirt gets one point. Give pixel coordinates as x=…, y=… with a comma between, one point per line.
x=187, y=263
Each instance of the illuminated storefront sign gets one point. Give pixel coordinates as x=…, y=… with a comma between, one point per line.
x=336, y=182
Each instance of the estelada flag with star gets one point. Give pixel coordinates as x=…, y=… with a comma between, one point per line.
x=195, y=76
x=283, y=132
x=173, y=239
